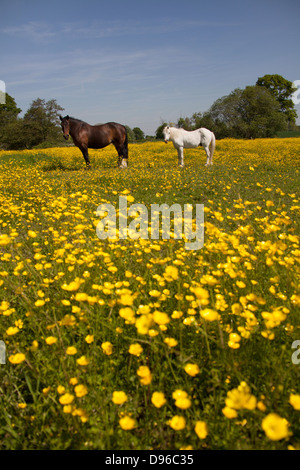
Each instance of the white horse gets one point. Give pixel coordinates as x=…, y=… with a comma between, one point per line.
x=190, y=139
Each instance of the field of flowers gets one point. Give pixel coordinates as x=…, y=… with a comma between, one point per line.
x=142, y=344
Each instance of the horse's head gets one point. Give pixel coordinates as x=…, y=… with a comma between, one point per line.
x=65, y=125
x=166, y=134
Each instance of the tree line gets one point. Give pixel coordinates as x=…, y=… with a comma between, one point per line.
x=256, y=111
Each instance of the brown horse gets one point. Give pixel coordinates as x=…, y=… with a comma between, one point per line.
x=86, y=136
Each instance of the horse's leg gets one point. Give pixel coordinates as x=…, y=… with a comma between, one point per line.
x=85, y=154
x=122, y=150
x=206, y=148
x=180, y=156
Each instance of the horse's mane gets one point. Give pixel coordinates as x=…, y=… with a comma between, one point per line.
x=75, y=119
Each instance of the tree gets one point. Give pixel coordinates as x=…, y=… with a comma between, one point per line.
x=249, y=113
x=130, y=134
x=138, y=133
x=282, y=90
x=158, y=133
x=8, y=114
x=41, y=122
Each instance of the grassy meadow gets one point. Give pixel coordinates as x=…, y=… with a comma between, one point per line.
x=142, y=344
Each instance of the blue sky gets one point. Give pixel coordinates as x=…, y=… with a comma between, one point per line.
x=142, y=62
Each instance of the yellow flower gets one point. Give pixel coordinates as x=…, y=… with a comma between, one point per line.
x=171, y=273
x=17, y=358
x=73, y=381
x=74, y=285
x=241, y=398
x=89, y=339
x=295, y=401
x=67, y=408
x=135, y=349
x=201, y=429
x=209, y=314
x=179, y=394
x=82, y=361
x=51, y=340
x=68, y=320
x=81, y=413
x=177, y=423
x=128, y=314
x=145, y=375
x=81, y=297
x=4, y=239
x=107, y=348
x=66, y=399
x=143, y=324
x=240, y=284
x=171, y=342
x=192, y=369
x=61, y=389
x=39, y=303
x=127, y=423
x=22, y=405
x=31, y=234
x=119, y=397
x=201, y=294
x=158, y=399
x=80, y=390
x=71, y=350
x=229, y=412
x=234, y=339
x=183, y=403
x=160, y=318
x=126, y=299
x=275, y=427
x=12, y=330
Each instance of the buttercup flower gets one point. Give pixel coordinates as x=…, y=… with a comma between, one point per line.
x=192, y=369
x=107, y=348
x=145, y=375
x=127, y=423
x=158, y=399
x=275, y=427
x=135, y=349
x=295, y=401
x=177, y=423
x=209, y=315
x=80, y=390
x=201, y=429
x=119, y=397
x=17, y=358
x=66, y=399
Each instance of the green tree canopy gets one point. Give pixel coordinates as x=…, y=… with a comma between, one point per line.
x=249, y=113
x=138, y=133
x=8, y=114
x=158, y=133
x=41, y=121
x=281, y=89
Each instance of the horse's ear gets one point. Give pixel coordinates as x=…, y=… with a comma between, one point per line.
x=60, y=117
x=67, y=117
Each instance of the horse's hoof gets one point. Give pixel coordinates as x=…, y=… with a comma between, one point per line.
x=123, y=164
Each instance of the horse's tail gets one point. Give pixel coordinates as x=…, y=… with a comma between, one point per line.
x=212, y=145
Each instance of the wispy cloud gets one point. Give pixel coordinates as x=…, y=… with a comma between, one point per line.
x=41, y=31
x=33, y=30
